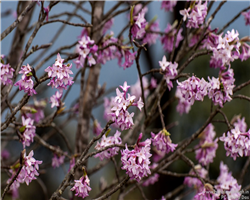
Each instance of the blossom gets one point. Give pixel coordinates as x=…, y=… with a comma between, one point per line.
x=86, y=49
x=163, y=142
x=197, y=14
x=37, y=110
x=28, y=131
x=136, y=162
x=228, y=186
x=56, y=99
x=247, y=17
x=183, y=104
x=169, y=70
x=139, y=25
x=193, y=89
x=81, y=187
x=107, y=141
x=207, y=193
x=6, y=73
x=26, y=83
x=135, y=89
x=57, y=160
x=60, y=74
x=28, y=172
x=107, y=25
x=117, y=108
x=236, y=143
x=150, y=38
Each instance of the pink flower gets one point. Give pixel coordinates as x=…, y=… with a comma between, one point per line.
x=136, y=162
x=163, y=142
x=6, y=73
x=56, y=99
x=228, y=186
x=26, y=82
x=168, y=5
x=152, y=179
x=29, y=131
x=107, y=141
x=247, y=17
x=81, y=187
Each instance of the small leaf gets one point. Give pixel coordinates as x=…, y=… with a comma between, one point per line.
x=29, y=74
x=22, y=129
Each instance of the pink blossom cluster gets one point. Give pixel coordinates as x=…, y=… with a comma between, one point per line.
x=56, y=99
x=247, y=17
x=107, y=25
x=107, y=141
x=136, y=162
x=237, y=140
x=28, y=131
x=119, y=111
x=228, y=186
x=81, y=187
x=220, y=89
x=60, y=74
x=206, y=153
x=111, y=52
x=195, y=182
x=152, y=179
x=6, y=73
x=86, y=49
x=168, y=39
x=28, y=172
x=169, y=70
x=128, y=57
x=162, y=141
x=195, y=14
x=193, y=89
x=226, y=51
x=139, y=25
x=26, y=83
x=168, y=5
x=57, y=160
x=245, y=51
x=207, y=193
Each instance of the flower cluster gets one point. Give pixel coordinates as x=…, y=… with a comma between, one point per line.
x=56, y=99
x=57, y=160
x=193, y=89
x=26, y=83
x=107, y=25
x=128, y=57
x=27, y=173
x=6, y=73
x=237, y=140
x=221, y=88
x=206, y=153
x=169, y=70
x=81, y=187
x=197, y=15
x=247, y=17
x=107, y=141
x=109, y=52
x=245, y=50
x=195, y=182
x=139, y=25
x=228, y=186
x=86, y=49
x=207, y=193
x=168, y=39
x=119, y=113
x=60, y=74
x=226, y=51
x=168, y=5
x=136, y=162
x=28, y=131
x=163, y=142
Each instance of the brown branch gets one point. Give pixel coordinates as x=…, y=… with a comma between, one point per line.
x=66, y=22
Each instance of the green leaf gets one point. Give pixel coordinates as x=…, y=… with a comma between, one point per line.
x=22, y=129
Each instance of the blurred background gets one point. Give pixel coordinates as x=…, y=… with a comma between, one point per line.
x=113, y=76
